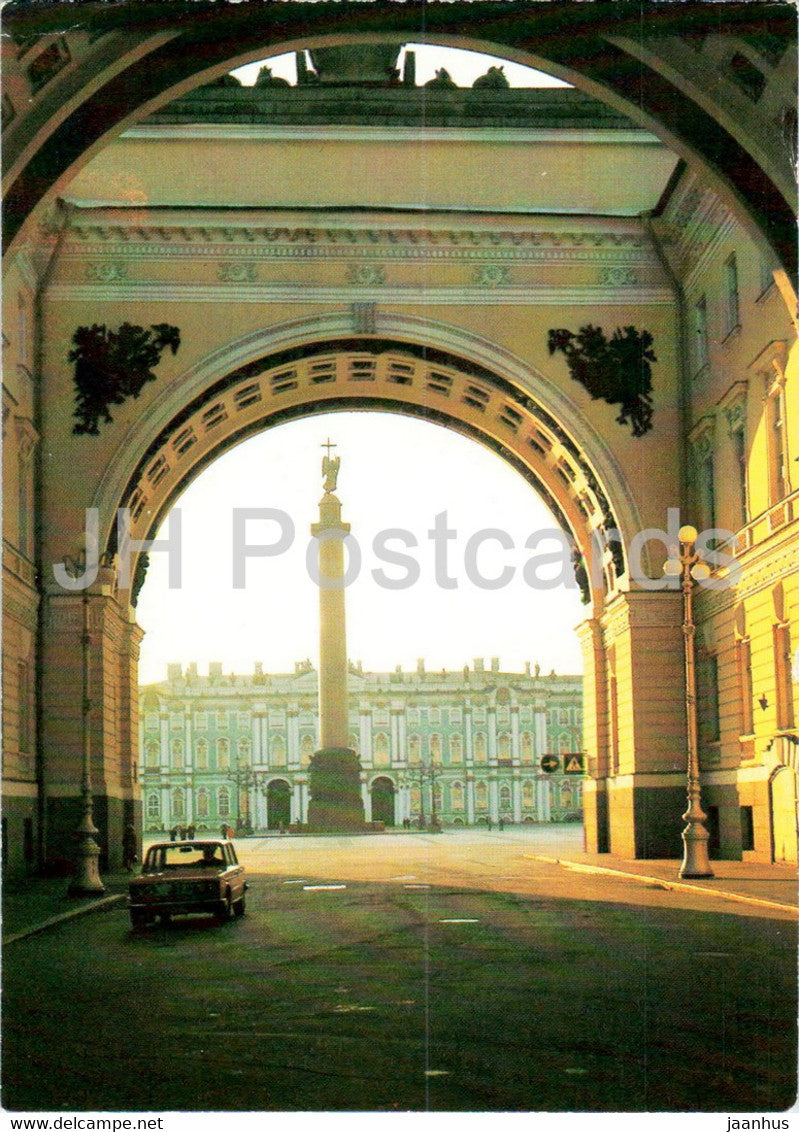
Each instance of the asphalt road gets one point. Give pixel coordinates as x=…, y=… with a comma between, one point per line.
x=451, y=973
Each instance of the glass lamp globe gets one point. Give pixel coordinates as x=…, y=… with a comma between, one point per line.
x=688, y=533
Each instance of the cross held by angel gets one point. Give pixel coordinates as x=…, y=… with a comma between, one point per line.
x=330, y=467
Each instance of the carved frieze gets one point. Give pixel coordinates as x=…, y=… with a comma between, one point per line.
x=107, y=272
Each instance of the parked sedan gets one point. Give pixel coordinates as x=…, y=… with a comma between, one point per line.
x=180, y=877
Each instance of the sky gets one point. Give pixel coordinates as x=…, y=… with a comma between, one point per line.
x=463, y=66
x=395, y=473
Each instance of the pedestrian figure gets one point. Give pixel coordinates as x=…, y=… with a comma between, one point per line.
x=190, y=832
x=129, y=848
x=173, y=833
x=501, y=825
x=223, y=831
x=488, y=823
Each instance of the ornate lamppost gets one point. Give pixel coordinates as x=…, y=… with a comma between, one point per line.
x=688, y=566
x=427, y=772
x=86, y=881
x=244, y=778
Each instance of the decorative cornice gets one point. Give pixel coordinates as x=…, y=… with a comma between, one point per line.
x=292, y=293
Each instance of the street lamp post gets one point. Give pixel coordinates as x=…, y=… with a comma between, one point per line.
x=86, y=881
x=426, y=772
x=688, y=566
x=245, y=779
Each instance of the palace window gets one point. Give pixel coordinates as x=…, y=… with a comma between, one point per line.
x=414, y=749
x=779, y=480
x=434, y=715
x=178, y=803
x=456, y=795
x=306, y=749
x=481, y=796
x=151, y=753
x=176, y=749
x=480, y=747
x=707, y=679
x=277, y=750
x=455, y=749
x=201, y=721
x=700, y=352
x=222, y=718
x=528, y=797
x=743, y=663
x=243, y=720
x=455, y=716
x=243, y=751
x=153, y=807
x=176, y=720
x=504, y=797
x=503, y=745
x=435, y=747
x=223, y=802
x=566, y=799
x=201, y=755
x=222, y=754
x=732, y=313
x=782, y=673
x=201, y=802
x=151, y=721
x=738, y=437
x=526, y=747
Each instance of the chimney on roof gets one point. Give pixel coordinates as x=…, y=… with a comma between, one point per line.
x=215, y=670
x=174, y=672
x=495, y=664
x=420, y=666
x=479, y=666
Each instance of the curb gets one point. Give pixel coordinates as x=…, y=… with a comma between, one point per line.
x=679, y=886
x=72, y=914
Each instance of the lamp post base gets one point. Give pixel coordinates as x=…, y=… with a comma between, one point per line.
x=86, y=881
x=695, y=863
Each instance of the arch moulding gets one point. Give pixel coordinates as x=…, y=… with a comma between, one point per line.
x=409, y=365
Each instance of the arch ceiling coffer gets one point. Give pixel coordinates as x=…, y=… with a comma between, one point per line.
x=370, y=374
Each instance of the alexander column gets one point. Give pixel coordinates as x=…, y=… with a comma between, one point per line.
x=335, y=769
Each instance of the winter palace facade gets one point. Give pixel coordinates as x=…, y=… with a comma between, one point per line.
x=467, y=744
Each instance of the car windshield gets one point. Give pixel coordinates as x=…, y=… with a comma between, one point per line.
x=193, y=856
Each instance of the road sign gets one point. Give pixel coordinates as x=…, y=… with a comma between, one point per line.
x=573, y=762
x=549, y=763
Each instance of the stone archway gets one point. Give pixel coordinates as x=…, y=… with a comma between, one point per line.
x=278, y=804
x=383, y=793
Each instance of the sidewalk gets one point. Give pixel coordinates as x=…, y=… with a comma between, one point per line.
x=757, y=884
x=31, y=904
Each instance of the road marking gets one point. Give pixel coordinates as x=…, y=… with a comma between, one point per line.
x=321, y=887
x=453, y=921
x=404, y=878
x=302, y=881
x=416, y=886
x=437, y=1073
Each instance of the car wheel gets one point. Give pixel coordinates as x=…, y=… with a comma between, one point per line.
x=223, y=911
x=166, y=919
x=138, y=919
x=240, y=907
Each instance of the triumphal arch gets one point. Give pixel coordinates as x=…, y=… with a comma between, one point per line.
x=595, y=281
